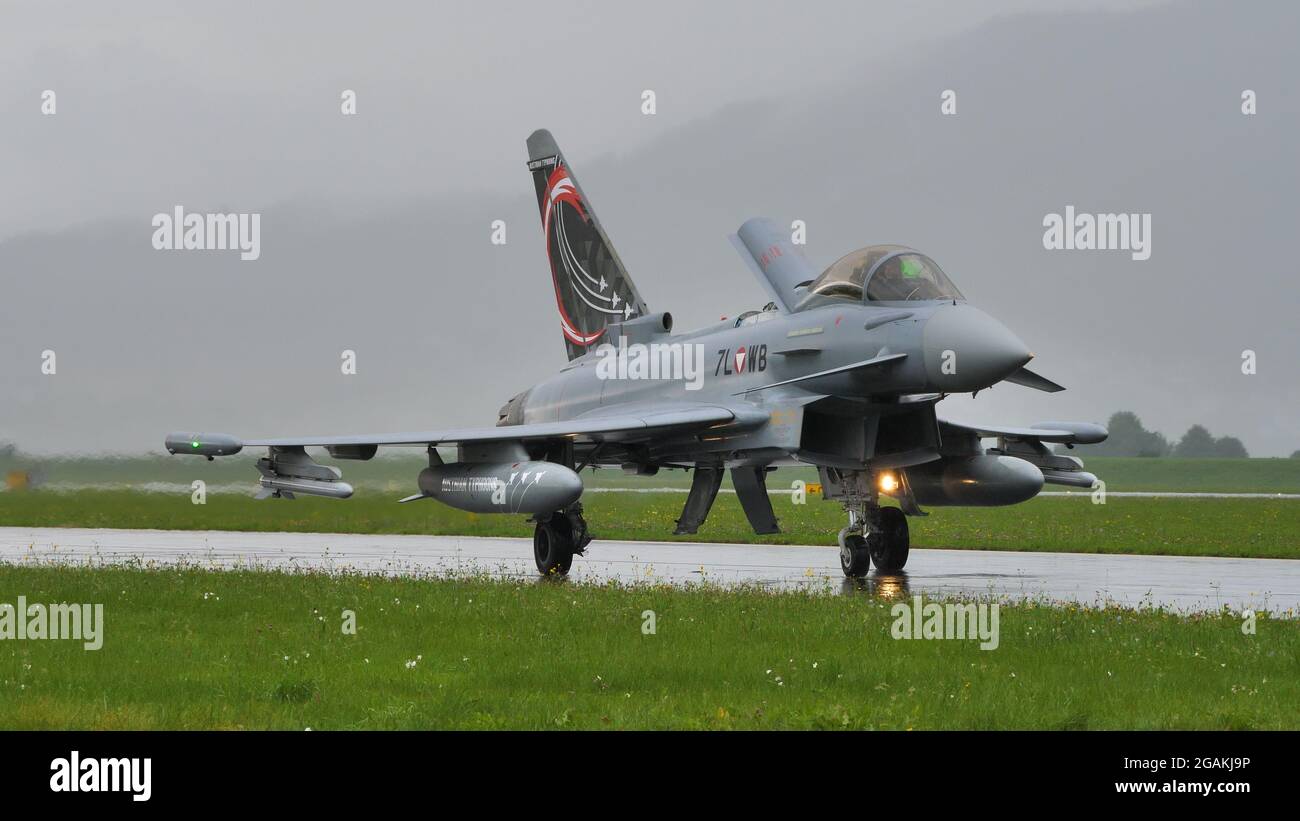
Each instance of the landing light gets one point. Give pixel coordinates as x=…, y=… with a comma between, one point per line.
x=888, y=483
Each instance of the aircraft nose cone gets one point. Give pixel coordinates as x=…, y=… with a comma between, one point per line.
x=966, y=350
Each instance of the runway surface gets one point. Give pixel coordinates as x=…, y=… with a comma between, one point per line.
x=1185, y=584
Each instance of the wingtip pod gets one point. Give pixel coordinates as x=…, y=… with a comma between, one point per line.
x=203, y=444
x=1084, y=433
x=541, y=145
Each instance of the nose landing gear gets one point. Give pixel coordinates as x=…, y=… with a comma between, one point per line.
x=879, y=537
x=855, y=555
x=875, y=535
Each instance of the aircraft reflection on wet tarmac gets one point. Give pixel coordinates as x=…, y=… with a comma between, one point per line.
x=890, y=587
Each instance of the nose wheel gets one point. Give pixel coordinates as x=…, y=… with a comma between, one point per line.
x=855, y=558
x=885, y=542
x=889, y=543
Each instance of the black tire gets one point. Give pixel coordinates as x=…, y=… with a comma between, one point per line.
x=855, y=559
x=552, y=548
x=890, y=544
x=564, y=527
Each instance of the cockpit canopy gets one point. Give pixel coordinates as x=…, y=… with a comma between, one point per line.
x=890, y=273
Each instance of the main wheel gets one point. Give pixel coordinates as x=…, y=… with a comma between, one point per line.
x=855, y=560
x=889, y=544
x=553, y=547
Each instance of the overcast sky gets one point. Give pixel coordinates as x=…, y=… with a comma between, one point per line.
x=375, y=226
x=233, y=99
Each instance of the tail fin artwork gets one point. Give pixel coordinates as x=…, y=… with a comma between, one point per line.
x=592, y=288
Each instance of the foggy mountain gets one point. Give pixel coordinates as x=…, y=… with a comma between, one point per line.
x=1123, y=112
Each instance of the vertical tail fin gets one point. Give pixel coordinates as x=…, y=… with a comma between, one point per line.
x=592, y=288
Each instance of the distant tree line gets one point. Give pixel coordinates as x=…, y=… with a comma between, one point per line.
x=1129, y=438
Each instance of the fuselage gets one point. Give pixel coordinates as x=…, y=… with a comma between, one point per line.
x=951, y=347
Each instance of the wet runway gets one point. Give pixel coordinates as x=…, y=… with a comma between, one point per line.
x=1178, y=583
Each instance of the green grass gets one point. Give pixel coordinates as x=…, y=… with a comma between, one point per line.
x=201, y=649
x=1196, y=475
x=1260, y=528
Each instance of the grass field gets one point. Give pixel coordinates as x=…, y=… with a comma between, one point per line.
x=1197, y=475
x=1261, y=528
x=201, y=649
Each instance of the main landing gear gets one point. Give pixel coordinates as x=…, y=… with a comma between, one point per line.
x=557, y=538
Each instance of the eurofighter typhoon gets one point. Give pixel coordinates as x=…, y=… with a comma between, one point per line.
x=841, y=369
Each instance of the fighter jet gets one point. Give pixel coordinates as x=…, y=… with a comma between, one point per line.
x=842, y=370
